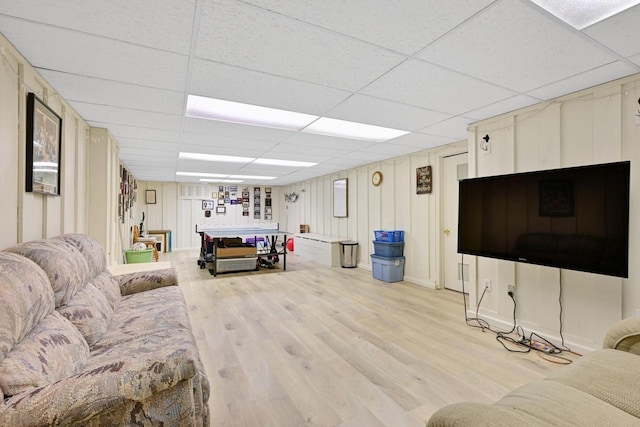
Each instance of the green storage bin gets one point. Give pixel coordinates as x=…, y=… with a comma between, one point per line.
x=135, y=257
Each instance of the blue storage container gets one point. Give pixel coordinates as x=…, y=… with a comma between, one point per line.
x=387, y=269
x=389, y=235
x=388, y=249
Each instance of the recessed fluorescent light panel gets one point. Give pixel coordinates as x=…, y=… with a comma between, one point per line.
x=236, y=112
x=277, y=162
x=352, y=130
x=252, y=177
x=215, y=158
x=221, y=180
x=209, y=175
x=582, y=13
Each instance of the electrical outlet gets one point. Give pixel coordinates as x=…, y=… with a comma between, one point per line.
x=511, y=290
x=487, y=284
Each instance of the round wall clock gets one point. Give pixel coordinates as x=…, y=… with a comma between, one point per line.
x=376, y=178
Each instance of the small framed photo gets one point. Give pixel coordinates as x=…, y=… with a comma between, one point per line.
x=150, y=197
x=221, y=209
x=207, y=205
x=214, y=195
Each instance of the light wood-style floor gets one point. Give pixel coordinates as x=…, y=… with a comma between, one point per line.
x=315, y=346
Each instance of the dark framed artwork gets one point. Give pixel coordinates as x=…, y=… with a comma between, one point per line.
x=556, y=197
x=424, y=180
x=44, y=148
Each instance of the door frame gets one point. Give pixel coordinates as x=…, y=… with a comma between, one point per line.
x=470, y=260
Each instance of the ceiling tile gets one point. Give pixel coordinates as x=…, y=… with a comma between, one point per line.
x=257, y=88
x=504, y=106
x=235, y=33
x=211, y=144
x=144, y=134
x=433, y=87
x=314, y=140
x=519, y=48
x=234, y=130
x=423, y=141
x=455, y=127
x=382, y=112
x=129, y=117
x=405, y=26
x=619, y=33
x=163, y=24
x=88, y=55
x=104, y=92
x=584, y=80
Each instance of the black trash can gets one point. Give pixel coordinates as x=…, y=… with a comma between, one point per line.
x=349, y=254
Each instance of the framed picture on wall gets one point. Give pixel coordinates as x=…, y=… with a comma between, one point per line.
x=44, y=145
x=340, y=191
x=150, y=197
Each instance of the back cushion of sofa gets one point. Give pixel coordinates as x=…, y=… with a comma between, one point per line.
x=52, y=351
x=65, y=266
x=26, y=298
x=90, y=312
x=90, y=249
x=109, y=287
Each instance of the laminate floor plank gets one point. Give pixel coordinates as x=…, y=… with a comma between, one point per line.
x=317, y=346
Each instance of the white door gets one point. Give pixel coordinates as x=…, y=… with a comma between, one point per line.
x=455, y=168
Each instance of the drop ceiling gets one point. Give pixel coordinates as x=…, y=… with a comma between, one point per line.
x=427, y=67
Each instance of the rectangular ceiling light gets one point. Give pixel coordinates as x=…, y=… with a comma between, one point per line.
x=236, y=112
x=220, y=180
x=204, y=174
x=582, y=13
x=215, y=158
x=277, y=162
x=352, y=130
x=252, y=177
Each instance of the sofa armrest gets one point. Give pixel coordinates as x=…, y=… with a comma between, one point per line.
x=472, y=414
x=133, y=283
x=82, y=396
x=624, y=335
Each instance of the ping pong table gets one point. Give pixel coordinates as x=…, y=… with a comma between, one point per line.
x=210, y=239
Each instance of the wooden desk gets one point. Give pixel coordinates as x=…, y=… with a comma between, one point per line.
x=163, y=236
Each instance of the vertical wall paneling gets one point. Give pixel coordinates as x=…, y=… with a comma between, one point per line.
x=592, y=126
x=12, y=154
x=30, y=216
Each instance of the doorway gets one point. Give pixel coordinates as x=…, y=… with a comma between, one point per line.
x=455, y=168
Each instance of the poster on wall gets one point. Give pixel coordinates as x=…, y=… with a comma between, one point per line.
x=424, y=181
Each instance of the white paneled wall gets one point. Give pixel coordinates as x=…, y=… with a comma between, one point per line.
x=29, y=216
x=392, y=205
x=589, y=127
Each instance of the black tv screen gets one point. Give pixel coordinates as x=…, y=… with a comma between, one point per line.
x=573, y=218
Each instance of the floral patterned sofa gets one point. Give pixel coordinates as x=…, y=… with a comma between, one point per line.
x=79, y=346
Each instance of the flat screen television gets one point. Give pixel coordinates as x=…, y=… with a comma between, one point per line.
x=573, y=218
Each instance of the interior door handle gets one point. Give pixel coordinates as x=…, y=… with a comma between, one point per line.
x=447, y=232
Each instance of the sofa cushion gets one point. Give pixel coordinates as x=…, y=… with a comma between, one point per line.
x=26, y=297
x=52, y=351
x=90, y=249
x=89, y=311
x=65, y=266
x=144, y=313
x=612, y=376
x=109, y=287
x=556, y=404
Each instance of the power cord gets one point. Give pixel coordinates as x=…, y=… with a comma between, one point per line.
x=545, y=349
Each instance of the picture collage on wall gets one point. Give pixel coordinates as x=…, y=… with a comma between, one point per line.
x=256, y=202
x=267, y=204
x=232, y=195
